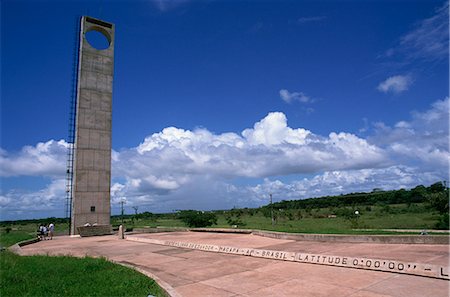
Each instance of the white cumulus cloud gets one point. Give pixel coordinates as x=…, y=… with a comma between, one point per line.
x=44, y=159
x=46, y=202
x=341, y=182
x=178, y=169
x=167, y=160
x=290, y=97
x=395, y=84
x=424, y=138
x=273, y=130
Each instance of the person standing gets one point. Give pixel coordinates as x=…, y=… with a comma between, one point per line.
x=51, y=228
x=41, y=232
x=45, y=231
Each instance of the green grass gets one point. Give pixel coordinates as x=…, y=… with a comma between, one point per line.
x=318, y=222
x=8, y=239
x=68, y=276
x=375, y=217
x=20, y=232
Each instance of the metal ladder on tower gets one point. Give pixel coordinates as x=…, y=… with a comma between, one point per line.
x=72, y=123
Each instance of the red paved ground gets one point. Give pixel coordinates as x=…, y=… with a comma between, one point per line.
x=187, y=272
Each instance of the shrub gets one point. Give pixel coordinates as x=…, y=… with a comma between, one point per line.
x=266, y=212
x=439, y=201
x=346, y=213
x=443, y=223
x=235, y=221
x=290, y=216
x=196, y=219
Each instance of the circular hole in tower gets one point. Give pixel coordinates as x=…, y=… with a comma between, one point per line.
x=97, y=39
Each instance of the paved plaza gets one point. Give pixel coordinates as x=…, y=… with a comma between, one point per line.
x=188, y=272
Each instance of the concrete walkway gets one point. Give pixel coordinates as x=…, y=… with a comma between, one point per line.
x=186, y=272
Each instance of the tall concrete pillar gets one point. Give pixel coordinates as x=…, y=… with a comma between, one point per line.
x=92, y=149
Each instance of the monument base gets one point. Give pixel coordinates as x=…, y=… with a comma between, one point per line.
x=97, y=230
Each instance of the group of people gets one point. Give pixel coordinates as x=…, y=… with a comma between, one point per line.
x=46, y=231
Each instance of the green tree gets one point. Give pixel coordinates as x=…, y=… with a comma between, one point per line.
x=439, y=201
x=234, y=221
x=437, y=187
x=196, y=219
x=418, y=194
x=146, y=215
x=443, y=222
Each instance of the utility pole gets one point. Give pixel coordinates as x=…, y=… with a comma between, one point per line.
x=121, y=204
x=271, y=210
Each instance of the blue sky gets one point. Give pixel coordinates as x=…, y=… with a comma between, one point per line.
x=219, y=103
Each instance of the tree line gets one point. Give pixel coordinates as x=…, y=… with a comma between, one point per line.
x=436, y=195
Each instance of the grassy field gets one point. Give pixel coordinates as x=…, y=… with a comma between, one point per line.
x=320, y=220
x=68, y=276
x=398, y=216
x=18, y=232
x=323, y=220
x=8, y=239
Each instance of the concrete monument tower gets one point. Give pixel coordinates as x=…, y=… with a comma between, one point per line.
x=92, y=140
